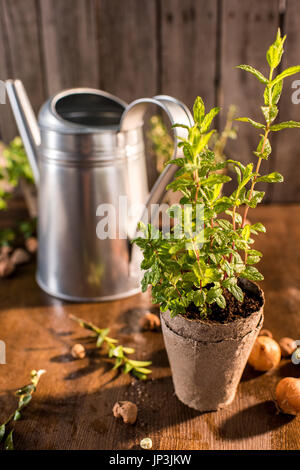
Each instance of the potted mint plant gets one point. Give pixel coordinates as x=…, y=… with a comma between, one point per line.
x=204, y=280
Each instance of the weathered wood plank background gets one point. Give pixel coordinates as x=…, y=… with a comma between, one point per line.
x=136, y=48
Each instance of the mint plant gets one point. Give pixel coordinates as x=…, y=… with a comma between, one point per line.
x=187, y=267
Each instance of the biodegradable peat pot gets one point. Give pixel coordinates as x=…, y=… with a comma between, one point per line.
x=208, y=359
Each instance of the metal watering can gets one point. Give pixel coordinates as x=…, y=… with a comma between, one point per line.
x=87, y=150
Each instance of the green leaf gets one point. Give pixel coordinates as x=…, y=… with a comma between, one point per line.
x=236, y=291
x=258, y=227
x=221, y=301
x=246, y=233
x=143, y=370
x=257, y=197
x=275, y=93
x=118, y=363
x=258, y=125
x=271, y=178
x=252, y=273
x=213, y=294
x=17, y=415
x=2, y=431
x=275, y=51
x=198, y=110
x=99, y=341
x=9, y=443
x=138, y=375
x=256, y=73
x=199, y=298
x=284, y=125
x=24, y=400
x=286, y=73
x=127, y=368
x=208, y=119
x=139, y=363
x=269, y=112
x=263, y=149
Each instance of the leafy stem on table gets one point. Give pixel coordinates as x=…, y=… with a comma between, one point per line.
x=25, y=396
x=138, y=369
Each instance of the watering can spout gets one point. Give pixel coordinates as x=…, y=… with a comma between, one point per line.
x=26, y=122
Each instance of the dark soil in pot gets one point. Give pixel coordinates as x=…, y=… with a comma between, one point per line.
x=207, y=358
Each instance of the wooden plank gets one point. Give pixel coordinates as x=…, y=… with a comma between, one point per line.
x=127, y=47
x=23, y=49
x=69, y=44
x=7, y=124
x=288, y=151
x=72, y=408
x=248, y=28
x=188, y=48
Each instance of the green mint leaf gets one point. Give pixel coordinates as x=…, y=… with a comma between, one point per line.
x=9, y=443
x=208, y=119
x=258, y=125
x=271, y=178
x=252, y=274
x=2, y=431
x=286, y=73
x=256, y=73
x=285, y=125
x=236, y=291
x=198, y=110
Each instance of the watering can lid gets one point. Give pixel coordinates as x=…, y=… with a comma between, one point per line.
x=82, y=111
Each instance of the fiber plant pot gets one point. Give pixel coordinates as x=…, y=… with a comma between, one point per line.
x=207, y=359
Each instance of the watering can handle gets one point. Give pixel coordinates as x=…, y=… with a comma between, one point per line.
x=177, y=112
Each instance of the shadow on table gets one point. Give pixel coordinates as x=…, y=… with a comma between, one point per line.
x=85, y=421
x=253, y=421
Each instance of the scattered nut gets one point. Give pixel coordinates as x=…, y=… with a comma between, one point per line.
x=5, y=251
x=265, y=332
x=7, y=267
x=78, y=351
x=288, y=395
x=287, y=346
x=125, y=410
x=146, y=443
x=149, y=321
x=31, y=244
x=265, y=354
x=20, y=256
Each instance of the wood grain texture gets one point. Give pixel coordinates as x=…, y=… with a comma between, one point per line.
x=72, y=408
x=248, y=28
x=22, y=49
x=69, y=37
x=288, y=151
x=127, y=47
x=188, y=49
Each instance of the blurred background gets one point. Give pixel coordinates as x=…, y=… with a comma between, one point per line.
x=138, y=48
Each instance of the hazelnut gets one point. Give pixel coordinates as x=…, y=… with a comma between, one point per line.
x=149, y=321
x=5, y=251
x=125, y=410
x=78, y=351
x=20, y=256
x=265, y=332
x=7, y=267
x=31, y=244
x=287, y=346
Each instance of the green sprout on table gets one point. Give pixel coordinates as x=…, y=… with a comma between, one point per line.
x=25, y=396
x=137, y=368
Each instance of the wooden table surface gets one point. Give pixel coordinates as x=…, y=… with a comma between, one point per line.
x=72, y=408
